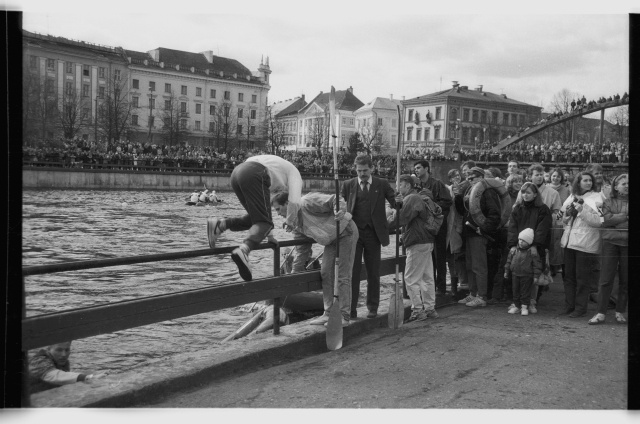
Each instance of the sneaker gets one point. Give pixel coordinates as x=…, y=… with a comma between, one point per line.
x=431, y=314
x=242, y=261
x=345, y=322
x=477, y=301
x=467, y=299
x=213, y=230
x=321, y=320
x=532, y=307
x=513, y=309
x=525, y=310
x=417, y=315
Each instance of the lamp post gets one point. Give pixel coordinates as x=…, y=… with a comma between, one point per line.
x=95, y=123
x=150, y=136
x=484, y=134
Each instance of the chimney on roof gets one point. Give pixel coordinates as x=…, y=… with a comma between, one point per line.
x=350, y=89
x=391, y=96
x=465, y=87
x=479, y=88
x=208, y=55
x=504, y=96
x=303, y=97
x=455, y=84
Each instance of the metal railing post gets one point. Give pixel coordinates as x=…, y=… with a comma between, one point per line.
x=276, y=301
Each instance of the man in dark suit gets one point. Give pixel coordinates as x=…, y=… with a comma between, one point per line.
x=365, y=197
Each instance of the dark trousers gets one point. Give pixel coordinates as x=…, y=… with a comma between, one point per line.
x=456, y=269
x=439, y=256
x=502, y=287
x=476, y=264
x=577, y=278
x=250, y=181
x=368, y=247
x=614, y=259
x=494, y=254
x=522, y=289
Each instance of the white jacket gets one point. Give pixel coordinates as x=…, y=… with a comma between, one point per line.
x=582, y=232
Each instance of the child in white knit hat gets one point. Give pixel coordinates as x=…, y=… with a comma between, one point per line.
x=525, y=266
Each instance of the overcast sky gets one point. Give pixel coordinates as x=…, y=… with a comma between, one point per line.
x=404, y=48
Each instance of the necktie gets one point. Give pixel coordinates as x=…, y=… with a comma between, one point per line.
x=364, y=187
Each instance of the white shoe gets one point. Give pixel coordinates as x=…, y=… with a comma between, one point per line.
x=242, y=261
x=213, y=230
x=321, y=320
x=466, y=300
x=525, y=310
x=477, y=301
x=513, y=309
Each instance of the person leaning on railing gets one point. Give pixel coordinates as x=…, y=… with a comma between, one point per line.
x=50, y=368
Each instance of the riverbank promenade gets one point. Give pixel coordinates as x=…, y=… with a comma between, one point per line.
x=468, y=358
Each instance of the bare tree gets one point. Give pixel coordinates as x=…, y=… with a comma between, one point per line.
x=224, y=124
x=275, y=132
x=175, y=118
x=71, y=113
x=318, y=132
x=620, y=118
x=370, y=136
x=114, y=113
x=40, y=106
x=561, y=102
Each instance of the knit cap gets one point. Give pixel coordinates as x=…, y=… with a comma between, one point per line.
x=526, y=235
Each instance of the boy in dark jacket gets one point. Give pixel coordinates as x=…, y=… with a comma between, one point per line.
x=525, y=266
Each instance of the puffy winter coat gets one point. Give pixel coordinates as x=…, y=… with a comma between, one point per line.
x=582, y=232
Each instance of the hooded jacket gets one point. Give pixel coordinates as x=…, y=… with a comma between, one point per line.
x=412, y=219
x=535, y=215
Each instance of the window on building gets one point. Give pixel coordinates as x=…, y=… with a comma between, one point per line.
x=379, y=122
x=252, y=130
x=409, y=133
x=418, y=134
x=344, y=121
x=183, y=90
x=239, y=129
x=152, y=120
x=198, y=91
x=68, y=88
x=212, y=109
x=426, y=134
x=183, y=107
x=101, y=92
x=85, y=113
x=152, y=103
x=198, y=108
x=514, y=120
x=254, y=98
x=227, y=95
x=101, y=72
x=134, y=101
x=51, y=64
x=352, y=121
x=521, y=120
x=212, y=93
x=394, y=140
x=85, y=90
x=226, y=111
x=410, y=115
x=483, y=116
x=134, y=119
x=439, y=113
x=240, y=112
x=494, y=118
x=436, y=133
x=465, y=115
x=86, y=70
x=167, y=104
x=167, y=87
x=474, y=115
x=152, y=86
x=33, y=62
x=183, y=124
x=505, y=119
x=240, y=97
x=394, y=123
x=167, y=122
x=117, y=74
x=69, y=67
x=197, y=125
x=253, y=113
x=212, y=126
x=343, y=138
x=135, y=84
x=454, y=113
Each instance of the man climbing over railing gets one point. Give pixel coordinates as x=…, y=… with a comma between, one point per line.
x=254, y=181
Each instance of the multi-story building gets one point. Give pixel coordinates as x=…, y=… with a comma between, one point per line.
x=377, y=123
x=210, y=98
x=65, y=82
x=161, y=96
x=313, y=129
x=283, y=122
x=462, y=118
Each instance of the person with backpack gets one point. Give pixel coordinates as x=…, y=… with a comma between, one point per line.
x=418, y=272
x=477, y=236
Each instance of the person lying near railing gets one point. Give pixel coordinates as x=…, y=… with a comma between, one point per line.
x=50, y=368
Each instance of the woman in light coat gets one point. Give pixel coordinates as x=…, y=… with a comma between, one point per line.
x=581, y=242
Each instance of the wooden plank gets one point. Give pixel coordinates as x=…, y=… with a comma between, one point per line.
x=47, y=329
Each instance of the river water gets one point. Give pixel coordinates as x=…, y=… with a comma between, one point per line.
x=71, y=225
